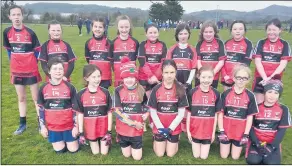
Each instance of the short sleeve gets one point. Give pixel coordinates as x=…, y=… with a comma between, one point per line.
x=286, y=52
x=194, y=59
x=152, y=101
x=189, y=96
x=117, y=100
x=6, y=43
x=248, y=55
x=183, y=101
x=86, y=53
x=222, y=51
x=252, y=108
x=109, y=101
x=111, y=49
x=71, y=55
x=164, y=50
x=198, y=46
x=223, y=99
x=258, y=50
x=218, y=102
x=74, y=101
x=35, y=41
x=285, y=121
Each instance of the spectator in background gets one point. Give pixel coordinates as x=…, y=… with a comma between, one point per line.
x=79, y=24
x=87, y=22
x=290, y=30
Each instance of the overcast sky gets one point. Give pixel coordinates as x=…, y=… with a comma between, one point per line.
x=189, y=6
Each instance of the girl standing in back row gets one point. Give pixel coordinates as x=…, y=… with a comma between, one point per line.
x=123, y=45
x=99, y=50
x=210, y=50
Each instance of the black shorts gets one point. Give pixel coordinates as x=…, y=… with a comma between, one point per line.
x=146, y=85
x=254, y=156
x=105, y=83
x=214, y=83
x=94, y=140
x=18, y=80
x=232, y=141
x=201, y=141
x=135, y=142
x=171, y=138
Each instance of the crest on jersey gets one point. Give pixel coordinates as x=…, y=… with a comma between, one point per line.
x=65, y=93
x=277, y=114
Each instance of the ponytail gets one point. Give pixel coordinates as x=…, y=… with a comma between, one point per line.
x=180, y=90
x=141, y=92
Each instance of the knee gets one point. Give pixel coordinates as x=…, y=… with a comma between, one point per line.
x=137, y=157
x=95, y=152
x=73, y=149
x=235, y=157
x=196, y=156
x=22, y=98
x=61, y=151
x=127, y=155
x=204, y=157
x=224, y=156
x=159, y=154
x=170, y=154
x=104, y=152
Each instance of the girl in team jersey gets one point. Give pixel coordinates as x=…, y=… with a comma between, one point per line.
x=167, y=105
x=271, y=57
x=58, y=103
x=57, y=47
x=95, y=118
x=185, y=57
x=210, y=50
x=269, y=127
x=129, y=99
x=99, y=50
x=123, y=45
x=204, y=103
x=151, y=54
x=238, y=50
x=239, y=107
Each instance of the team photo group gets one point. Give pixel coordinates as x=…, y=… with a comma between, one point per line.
x=172, y=91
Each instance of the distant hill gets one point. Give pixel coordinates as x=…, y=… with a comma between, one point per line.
x=282, y=12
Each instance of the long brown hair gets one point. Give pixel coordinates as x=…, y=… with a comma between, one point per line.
x=180, y=90
x=141, y=92
x=205, y=25
x=99, y=19
x=124, y=17
x=205, y=68
x=88, y=70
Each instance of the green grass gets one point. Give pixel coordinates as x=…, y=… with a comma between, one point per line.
x=31, y=148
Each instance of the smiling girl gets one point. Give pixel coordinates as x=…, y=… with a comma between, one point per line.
x=271, y=57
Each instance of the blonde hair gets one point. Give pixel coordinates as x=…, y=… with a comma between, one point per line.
x=242, y=67
x=205, y=25
x=124, y=17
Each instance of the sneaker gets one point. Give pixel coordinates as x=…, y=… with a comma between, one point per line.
x=80, y=35
x=20, y=129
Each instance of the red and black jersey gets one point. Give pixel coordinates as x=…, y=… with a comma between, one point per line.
x=211, y=53
x=203, y=107
x=128, y=100
x=167, y=103
x=95, y=107
x=58, y=102
x=271, y=53
x=57, y=48
x=236, y=108
x=122, y=48
x=269, y=120
x=22, y=44
x=238, y=52
x=99, y=51
x=185, y=59
x=151, y=56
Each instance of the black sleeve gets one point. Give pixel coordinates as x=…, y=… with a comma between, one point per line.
x=198, y=50
x=45, y=68
x=71, y=55
x=117, y=100
x=35, y=41
x=223, y=97
x=248, y=56
x=109, y=101
x=164, y=51
x=44, y=52
x=253, y=136
x=6, y=43
x=41, y=99
x=144, y=99
x=183, y=101
x=190, y=98
x=258, y=50
x=141, y=54
x=222, y=52
x=79, y=102
x=137, y=48
x=152, y=101
x=252, y=106
x=286, y=55
x=70, y=69
x=74, y=101
x=286, y=118
x=218, y=102
x=279, y=137
x=87, y=54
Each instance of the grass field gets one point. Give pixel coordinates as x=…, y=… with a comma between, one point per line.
x=32, y=148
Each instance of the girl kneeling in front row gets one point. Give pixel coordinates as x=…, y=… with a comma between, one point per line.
x=205, y=103
x=56, y=99
x=96, y=118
